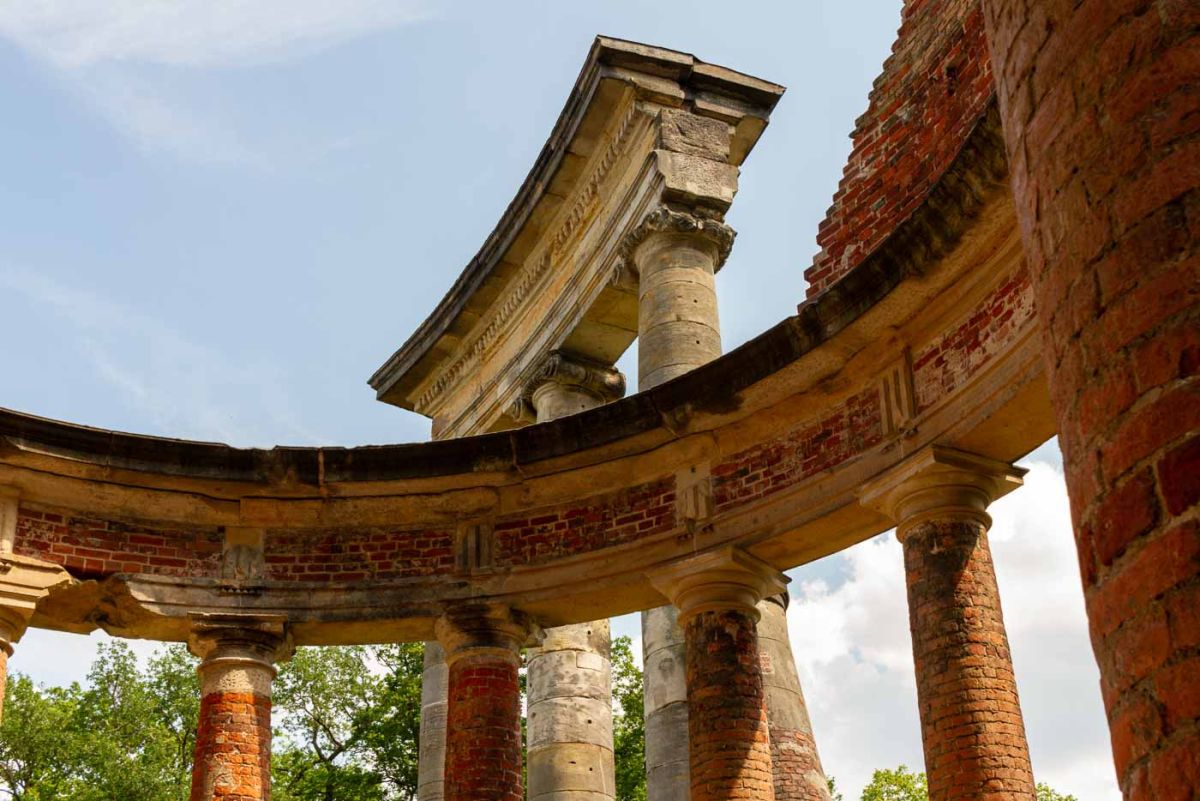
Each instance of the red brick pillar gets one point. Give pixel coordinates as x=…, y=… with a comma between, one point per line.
x=1099, y=105
x=233, y=736
x=483, y=711
x=11, y=628
x=729, y=749
x=971, y=725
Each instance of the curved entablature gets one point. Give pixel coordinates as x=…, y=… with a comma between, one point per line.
x=643, y=129
x=928, y=342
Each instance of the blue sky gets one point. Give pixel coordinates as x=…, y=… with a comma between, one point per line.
x=218, y=218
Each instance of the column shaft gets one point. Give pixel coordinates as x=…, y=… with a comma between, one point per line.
x=431, y=762
x=483, y=711
x=664, y=657
x=971, y=725
x=795, y=764
x=232, y=759
x=730, y=751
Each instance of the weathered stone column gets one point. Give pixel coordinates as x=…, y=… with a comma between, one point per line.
x=676, y=255
x=431, y=761
x=23, y=582
x=233, y=737
x=716, y=593
x=483, y=711
x=971, y=725
x=570, y=749
x=795, y=765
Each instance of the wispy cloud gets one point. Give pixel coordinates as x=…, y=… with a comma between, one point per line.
x=117, y=57
x=194, y=33
x=181, y=387
x=854, y=650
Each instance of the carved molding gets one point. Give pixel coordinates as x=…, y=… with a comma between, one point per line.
x=668, y=220
x=897, y=397
x=536, y=268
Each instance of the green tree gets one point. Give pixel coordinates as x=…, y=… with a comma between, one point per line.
x=37, y=744
x=1047, y=793
x=896, y=785
x=629, y=728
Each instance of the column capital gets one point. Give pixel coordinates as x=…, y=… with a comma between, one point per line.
x=495, y=630
x=940, y=483
x=238, y=653
x=567, y=370
x=724, y=579
x=702, y=224
x=23, y=583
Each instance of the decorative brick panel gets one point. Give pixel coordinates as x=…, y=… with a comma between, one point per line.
x=845, y=432
x=233, y=748
x=933, y=90
x=335, y=556
x=949, y=362
x=1099, y=105
x=971, y=725
x=627, y=516
x=95, y=548
x=729, y=746
x=483, y=730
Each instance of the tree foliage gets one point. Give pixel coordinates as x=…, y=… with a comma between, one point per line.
x=629, y=727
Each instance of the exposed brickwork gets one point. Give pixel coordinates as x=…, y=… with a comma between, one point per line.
x=971, y=726
x=483, y=730
x=627, y=516
x=729, y=748
x=798, y=772
x=1100, y=102
x=357, y=555
x=93, y=548
x=933, y=89
x=949, y=362
x=3, y=679
x=233, y=748
x=846, y=431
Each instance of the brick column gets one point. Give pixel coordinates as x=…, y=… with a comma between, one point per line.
x=483, y=712
x=971, y=725
x=233, y=737
x=570, y=675
x=11, y=628
x=1098, y=102
x=729, y=750
x=795, y=765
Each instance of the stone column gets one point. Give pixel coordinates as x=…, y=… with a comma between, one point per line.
x=483, y=711
x=676, y=255
x=570, y=675
x=233, y=737
x=431, y=762
x=971, y=725
x=795, y=765
x=1098, y=103
x=716, y=593
x=23, y=582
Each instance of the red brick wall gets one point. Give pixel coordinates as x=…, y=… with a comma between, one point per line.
x=971, y=726
x=729, y=750
x=1101, y=111
x=93, y=548
x=763, y=470
x=233, y=748
x=948, y=362
x=629, y=515
x=933, y=89
x=356, y=555
x=483, y=730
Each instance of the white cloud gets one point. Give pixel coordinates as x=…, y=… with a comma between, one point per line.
x=854, y=651
x=121, y=58
x=195, y=33
x=181, y=387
